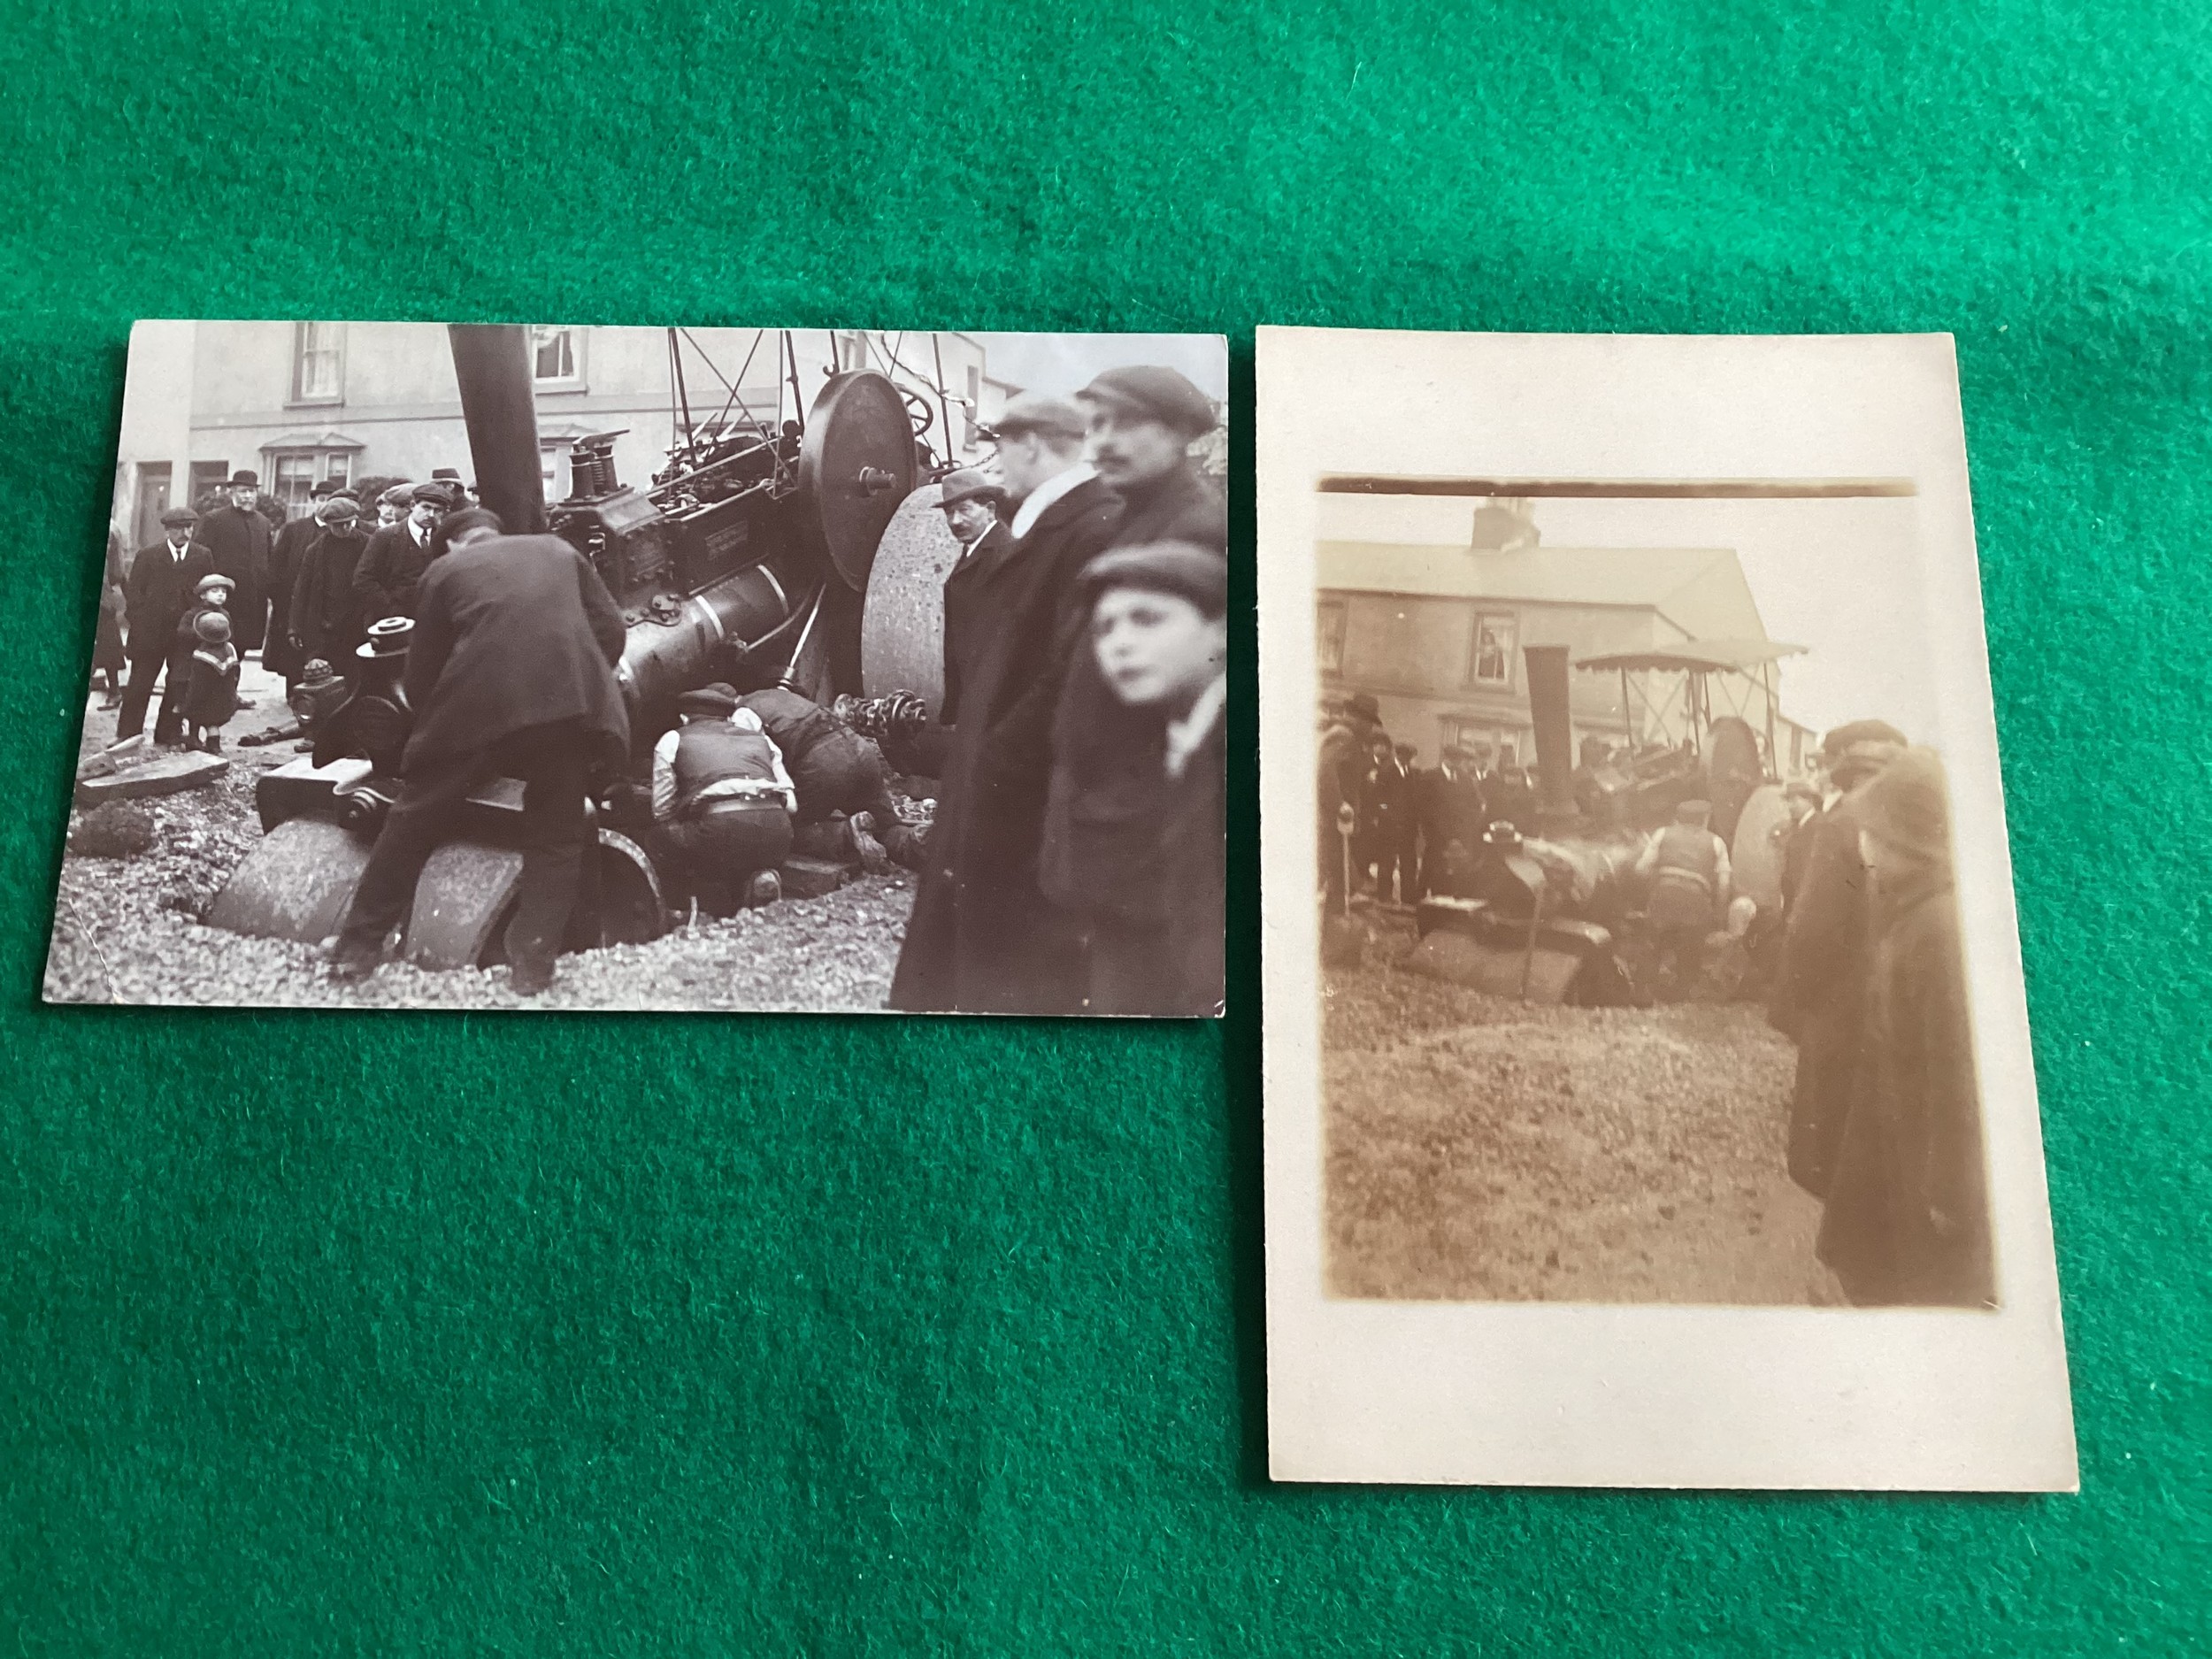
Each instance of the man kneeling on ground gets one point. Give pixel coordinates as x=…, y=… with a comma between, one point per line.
x=722, y=802
x=835, y=772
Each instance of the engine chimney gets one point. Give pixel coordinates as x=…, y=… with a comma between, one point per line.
x=1547, y=708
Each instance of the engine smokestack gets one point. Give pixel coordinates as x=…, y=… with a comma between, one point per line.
x=1547, y=708
x=492, y=363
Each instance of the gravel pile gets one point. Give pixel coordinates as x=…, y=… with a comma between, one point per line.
x=1481, y=1150
x=127, y=930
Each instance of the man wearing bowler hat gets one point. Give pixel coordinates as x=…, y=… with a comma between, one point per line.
x=970, y=502
x=164, y=581
x=983, y=938
x=511, y=674
x=238, y=537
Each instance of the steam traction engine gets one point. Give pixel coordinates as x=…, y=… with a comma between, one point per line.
x=750, y=556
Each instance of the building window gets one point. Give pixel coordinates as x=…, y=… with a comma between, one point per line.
x=294, y=481
x=553, y=469
x=338, y=469
x=1332, y=636
x=318, y=362
x=557, y=358
x=1493, y=650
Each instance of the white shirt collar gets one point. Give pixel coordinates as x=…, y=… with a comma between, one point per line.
x=1184, y=735
x=1041, y=498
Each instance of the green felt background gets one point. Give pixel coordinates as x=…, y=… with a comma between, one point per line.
x=662, y=1335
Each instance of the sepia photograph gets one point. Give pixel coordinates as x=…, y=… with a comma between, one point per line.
x=1657, y=914
x=597, y=667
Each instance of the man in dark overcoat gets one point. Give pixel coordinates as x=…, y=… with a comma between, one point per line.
x=237, y=536
x=1818, y=995
x=1907, y=1217
x=324, y=613
x=164, y=579
x=1450, y=806
x=1141, y=424
x=392, y=563
x=1382, y=811
x=970, y=502
x=287, y=552
x=511, y=674
x=983, y=938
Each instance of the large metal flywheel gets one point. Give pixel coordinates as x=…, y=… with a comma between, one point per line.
x=855, y=466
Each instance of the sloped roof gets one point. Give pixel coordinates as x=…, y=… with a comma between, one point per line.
x=1568, y=576
x=1705, y=655
x=328, y=438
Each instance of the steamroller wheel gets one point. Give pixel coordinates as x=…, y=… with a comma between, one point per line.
x=467, y=891
x=294, y=885
x=903, y=628
x=855, y=467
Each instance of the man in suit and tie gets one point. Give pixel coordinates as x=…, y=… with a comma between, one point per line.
x=163, y=579
x=970, y=502
x=983, y=938
x=1452, y=809
x=510, y=673
x=237, y=536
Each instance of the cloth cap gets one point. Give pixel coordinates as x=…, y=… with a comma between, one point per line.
x=708, y=701
x=1152, y=393
x=1033, y=411
x=211, y=626
x=177, y=516
x=1840, y=742
x=244, y=480
x=967, y=484
x=473, y=518
x=1907, y=805
x=1693, y=812
x=339, y=509
x=211, y=581
x=438, y=494
x=1180, y=568
x=398, y=495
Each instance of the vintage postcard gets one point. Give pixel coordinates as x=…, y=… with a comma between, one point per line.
x=595, y=667
x=1648, y=1091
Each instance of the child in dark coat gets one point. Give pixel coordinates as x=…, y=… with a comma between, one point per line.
x=211, y=694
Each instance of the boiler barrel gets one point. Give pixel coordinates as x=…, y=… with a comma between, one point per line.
x=661, y=660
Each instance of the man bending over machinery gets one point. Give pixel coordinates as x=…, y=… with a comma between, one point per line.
x=722, y=802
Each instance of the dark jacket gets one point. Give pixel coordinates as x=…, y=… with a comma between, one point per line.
x=324, y=611
x=512, y=632
x=967, y=613
x=1907, y=1221
x=159, y=590
x=1818, y=998
x=212, y=690
x=983, y=937
x=1384, y=802
x=238, y=539
x=390, y=571
x=287, y=553
x=1449, y=808
x=1099, y=830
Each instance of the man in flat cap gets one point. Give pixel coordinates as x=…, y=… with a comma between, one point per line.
x=323, y=613
x=164, y=580
x=1818, y=995
x=392, y=563
x=279, y=656
x=511, y=674
x=983, y=938
x=237, y=536
x=723, y=802
x=970, y=502
x=1141, y=423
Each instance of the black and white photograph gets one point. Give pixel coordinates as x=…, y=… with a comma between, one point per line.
x=595, y=667
x=1643, y=981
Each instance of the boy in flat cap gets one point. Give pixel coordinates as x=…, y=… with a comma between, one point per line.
x=1152, y=903
x=164, y=580
x=983, y=937
x=238, y=536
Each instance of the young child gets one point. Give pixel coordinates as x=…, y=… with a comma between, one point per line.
x=1151, y=898
x=211, y=696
